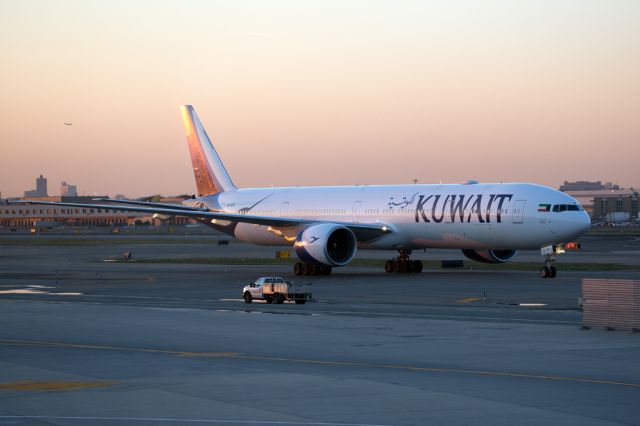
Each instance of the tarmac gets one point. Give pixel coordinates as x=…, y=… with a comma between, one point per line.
x=85, y=340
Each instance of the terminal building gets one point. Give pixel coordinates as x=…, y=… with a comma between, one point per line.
x=43, y=216
x=616, y=208
x=604, y=201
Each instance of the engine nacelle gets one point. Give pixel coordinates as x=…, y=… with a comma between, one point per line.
x=326, y=244
x=490, y=255
x=161, y=216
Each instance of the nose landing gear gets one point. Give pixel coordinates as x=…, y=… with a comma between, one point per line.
x=403, y=263
x=548, y=270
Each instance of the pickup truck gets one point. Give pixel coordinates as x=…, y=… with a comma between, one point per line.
x=275, y=289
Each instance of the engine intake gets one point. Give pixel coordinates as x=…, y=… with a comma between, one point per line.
x=326, y=244
x=490, y=255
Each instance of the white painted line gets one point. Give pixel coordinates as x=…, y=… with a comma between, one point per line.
x=216, y=421
x=39, y=292
x=22, y=291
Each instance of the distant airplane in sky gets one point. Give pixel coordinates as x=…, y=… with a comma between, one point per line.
x=68, y=124
x=326, y=224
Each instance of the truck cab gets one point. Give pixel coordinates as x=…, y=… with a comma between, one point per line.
x=256, y=288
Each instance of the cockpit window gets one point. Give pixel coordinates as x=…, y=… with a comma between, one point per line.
x=565, y=207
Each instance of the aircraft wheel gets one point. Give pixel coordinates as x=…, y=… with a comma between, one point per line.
x=313, y=270
x=417, y=266
x=553, y=271
x=304, y=269
x=388, y=266
x=407, y=267
x=545, y=272
x=297, y=268
x=247, y=297
x=396, y=266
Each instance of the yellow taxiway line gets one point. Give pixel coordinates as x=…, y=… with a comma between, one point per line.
x=236, y=355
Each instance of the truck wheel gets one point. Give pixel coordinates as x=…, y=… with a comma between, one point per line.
x=280, y=299
x=268, y=299
x=247, y=297
x=300, y=301
x=388, y=266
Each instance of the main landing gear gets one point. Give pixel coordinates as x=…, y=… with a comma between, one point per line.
x=301, y=268
x=403, y=263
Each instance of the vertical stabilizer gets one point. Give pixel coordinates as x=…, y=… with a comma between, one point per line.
x=211, y=176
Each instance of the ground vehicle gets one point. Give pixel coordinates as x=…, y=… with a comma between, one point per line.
x=275, y=289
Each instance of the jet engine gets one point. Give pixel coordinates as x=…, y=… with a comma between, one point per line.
x=161, y=216
x=490, y=255
x=326, y=244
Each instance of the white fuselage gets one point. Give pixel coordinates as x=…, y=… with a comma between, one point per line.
x=466, y=216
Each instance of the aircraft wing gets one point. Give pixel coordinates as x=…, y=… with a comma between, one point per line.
x=363, y=232
x=149, y=204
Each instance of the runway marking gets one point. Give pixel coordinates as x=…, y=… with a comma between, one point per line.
x=208, y=354
x=455, y=317
x=216, y=421
x=237, y=355
x=53, y=385
x=9, y=342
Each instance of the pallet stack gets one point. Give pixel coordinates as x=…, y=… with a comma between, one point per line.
x=612, y=304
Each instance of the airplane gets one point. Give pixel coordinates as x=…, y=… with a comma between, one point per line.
x=326, y=225
x=66, y=123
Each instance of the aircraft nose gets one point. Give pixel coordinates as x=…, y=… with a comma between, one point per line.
x=576, y=226
x=585, y=223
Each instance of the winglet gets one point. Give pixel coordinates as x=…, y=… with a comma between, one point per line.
x=211, y=175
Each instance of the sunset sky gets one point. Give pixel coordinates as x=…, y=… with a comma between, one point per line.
x=314, y=93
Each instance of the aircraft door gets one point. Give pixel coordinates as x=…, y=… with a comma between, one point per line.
x=357, y=208
x=518, y=211
x=284, y=209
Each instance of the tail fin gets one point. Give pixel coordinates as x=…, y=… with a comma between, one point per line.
x=211, y=176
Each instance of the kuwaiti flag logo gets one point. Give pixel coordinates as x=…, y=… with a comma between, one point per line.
x=544, y=207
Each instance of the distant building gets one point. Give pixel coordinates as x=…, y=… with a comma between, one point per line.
x=67, y=190
x=585, y=192
x=41, y=189
x=583, y=185
x=605, y=206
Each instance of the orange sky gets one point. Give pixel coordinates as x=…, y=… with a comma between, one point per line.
x=311, y=93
